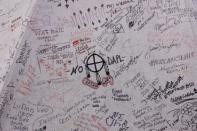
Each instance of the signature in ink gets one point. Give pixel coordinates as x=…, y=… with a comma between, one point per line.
x=125, y=67
x=161, y=46
x=186, y=115
x=171, y=23
x=117, y=119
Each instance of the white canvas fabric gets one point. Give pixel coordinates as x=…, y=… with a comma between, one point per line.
x=98, y=65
